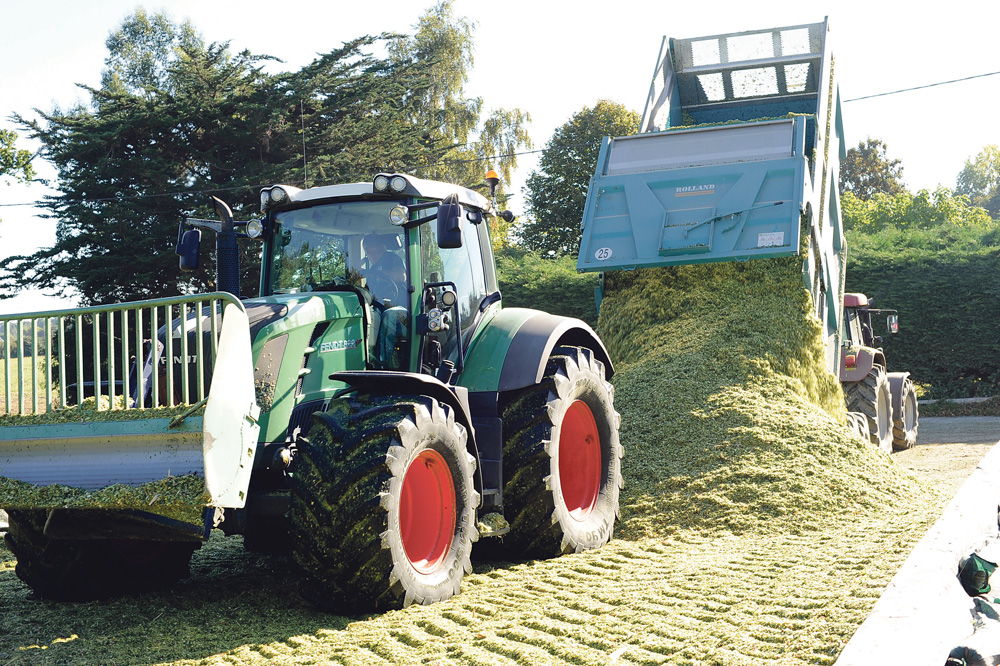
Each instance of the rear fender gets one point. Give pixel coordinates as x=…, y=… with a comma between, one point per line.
x=513, y=348
x=865, y=359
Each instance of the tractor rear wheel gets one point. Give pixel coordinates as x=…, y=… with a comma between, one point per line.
x=904, y=428
x=67, y=570
x=383, y=504
x=871, y=397
x=562, y=459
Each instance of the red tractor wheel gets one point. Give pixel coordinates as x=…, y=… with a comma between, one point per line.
x=562, y=459
x=383, y=504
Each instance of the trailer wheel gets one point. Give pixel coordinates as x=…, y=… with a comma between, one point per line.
x=871, y=397
x=904, y=429
x=383, y=504
x=94, y=569
x=562, y=459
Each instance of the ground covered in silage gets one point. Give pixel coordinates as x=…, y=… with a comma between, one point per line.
x=755, y=529
x=729, y=420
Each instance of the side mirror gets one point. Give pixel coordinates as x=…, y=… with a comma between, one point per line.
x=449, y=221
x=893, y=323
x=188, y=246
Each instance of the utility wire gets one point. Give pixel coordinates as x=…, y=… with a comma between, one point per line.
x=439, y=164
x=929, y=85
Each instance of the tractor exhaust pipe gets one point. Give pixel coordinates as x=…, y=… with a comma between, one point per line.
x=227, y=253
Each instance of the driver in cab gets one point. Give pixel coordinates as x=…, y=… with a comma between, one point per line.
x=384, y=270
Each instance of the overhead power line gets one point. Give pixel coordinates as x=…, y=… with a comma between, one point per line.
x=448, y=162
x=929, y=85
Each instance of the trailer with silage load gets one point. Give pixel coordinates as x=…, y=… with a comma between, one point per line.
x=738, y=159
x=374, y=412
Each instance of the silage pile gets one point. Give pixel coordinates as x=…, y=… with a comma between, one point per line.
x=729, y=419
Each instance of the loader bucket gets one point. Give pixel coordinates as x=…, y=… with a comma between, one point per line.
x=169, y=470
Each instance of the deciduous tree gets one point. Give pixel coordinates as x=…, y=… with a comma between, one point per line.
x=867, y=170
x=980, y=180
x=556, y=193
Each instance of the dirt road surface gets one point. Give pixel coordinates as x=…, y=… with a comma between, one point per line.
x=949, y=448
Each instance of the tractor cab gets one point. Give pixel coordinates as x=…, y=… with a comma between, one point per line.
x=417, y=253
x=858, y=321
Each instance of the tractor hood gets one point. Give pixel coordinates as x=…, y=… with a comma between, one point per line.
x=299, y=340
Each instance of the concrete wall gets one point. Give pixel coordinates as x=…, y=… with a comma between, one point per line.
x=924, y=612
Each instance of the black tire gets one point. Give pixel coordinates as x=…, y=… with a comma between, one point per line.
x=360, y=538
x=88, y=570
x=904, y=429
x=557, y=503
x=871, y=397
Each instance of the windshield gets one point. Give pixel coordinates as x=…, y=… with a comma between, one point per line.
x=352, y=243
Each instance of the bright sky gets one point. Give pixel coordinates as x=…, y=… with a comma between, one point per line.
x=550, y=59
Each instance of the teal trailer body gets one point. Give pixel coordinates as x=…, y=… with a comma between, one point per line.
x=737, y=159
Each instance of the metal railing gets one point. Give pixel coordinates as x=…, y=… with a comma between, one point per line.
x=137, y=355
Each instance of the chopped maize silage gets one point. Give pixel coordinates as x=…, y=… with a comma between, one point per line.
x=730, y=419
x=181, y=498
x=88, y=411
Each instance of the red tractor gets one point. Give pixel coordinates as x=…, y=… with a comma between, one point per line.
x=887, y=400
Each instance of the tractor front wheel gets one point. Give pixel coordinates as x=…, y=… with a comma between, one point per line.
x=562, y=459
x=871, y=397
x=383, y=504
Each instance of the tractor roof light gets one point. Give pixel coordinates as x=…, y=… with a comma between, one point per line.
x=492, y=180
x=381, y=183
x=278, y=195
x=275, y=196
x=398, y=184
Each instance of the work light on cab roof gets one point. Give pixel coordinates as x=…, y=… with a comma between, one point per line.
x=276, y=195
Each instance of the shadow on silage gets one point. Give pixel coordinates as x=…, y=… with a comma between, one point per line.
x=233, y=600
x=729, y=419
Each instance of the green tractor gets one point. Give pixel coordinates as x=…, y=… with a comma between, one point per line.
x=374, y=412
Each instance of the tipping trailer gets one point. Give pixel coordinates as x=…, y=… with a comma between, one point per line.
x=737, y=158
x=374, y=411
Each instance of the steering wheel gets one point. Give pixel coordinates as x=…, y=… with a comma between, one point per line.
x=381, y=286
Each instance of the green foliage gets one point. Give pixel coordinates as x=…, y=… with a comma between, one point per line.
x=980, y=180
x=445, y=44
x=868, y=171
x=556, y=194
x=142, y=50
x=177, y=116
x=945, y=283
x=551, y=285
x=987, y=407
x=923, y=210
x=14, y=162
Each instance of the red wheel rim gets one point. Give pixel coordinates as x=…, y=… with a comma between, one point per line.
x=427, y=511
x=579, y=460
